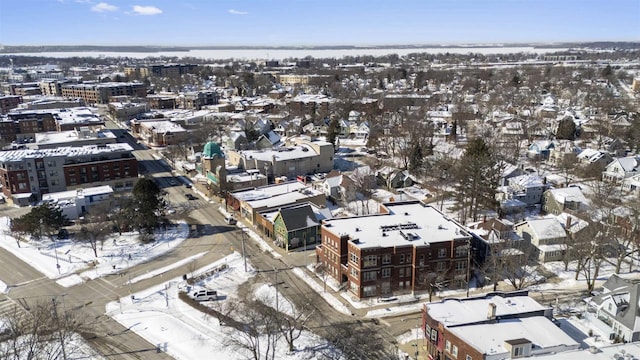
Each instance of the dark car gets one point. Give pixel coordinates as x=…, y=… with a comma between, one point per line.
x=190, y=197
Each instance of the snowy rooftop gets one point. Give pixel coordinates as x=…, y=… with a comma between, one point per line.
x=631, y=350
x=406, y=224
x=453, y=312
x=526, y=181
x=547, y=228
x=283, y=153
x=67, y=151
x=569, y=194
x=55, y=137
x=284, y=199
x=77, y=116
x=266, y=192
x=490, y=338
x=163, y=126
x=78, y=193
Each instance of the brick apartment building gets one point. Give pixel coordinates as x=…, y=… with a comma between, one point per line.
x=27, y=174
x=9, y=102
x=100, y=93
x=401, y=250
x=161, y=70
x=24, y=124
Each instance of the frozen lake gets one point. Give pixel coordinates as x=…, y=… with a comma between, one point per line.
x=279, y=54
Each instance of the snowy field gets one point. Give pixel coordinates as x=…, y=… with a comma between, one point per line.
x=158, y=315
x=77, y=261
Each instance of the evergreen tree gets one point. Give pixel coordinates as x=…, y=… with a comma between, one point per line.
x=43, y=220
x=333, y=131
x=148, y=204
x=416, y=158
x=477, y=175
x=566, y=129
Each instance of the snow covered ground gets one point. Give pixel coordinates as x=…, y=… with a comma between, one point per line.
x=158, y=315
x=77, y=261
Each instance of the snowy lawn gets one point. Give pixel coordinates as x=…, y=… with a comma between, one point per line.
x=158, y=315
x=76, y=259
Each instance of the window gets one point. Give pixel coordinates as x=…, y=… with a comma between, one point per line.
x=461, y=251
x=20, y=176
x=369, y=290
x=461, y=265
x=22, y=186
x=401, y=259
x=354, y=258
x=386, y=259
x=386, y=272
x=442, y=253
x=421, y=260
x=370, y=260
x=468, y=357
x=434, y=335
x=454, y=351
x=354, y=272
x=518, y=351
x=447, y=346
x=401, y=272
x=441, y=266
x=408, y=258
x=369, y=276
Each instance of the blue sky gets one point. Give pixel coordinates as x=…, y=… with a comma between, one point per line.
x=309, y=22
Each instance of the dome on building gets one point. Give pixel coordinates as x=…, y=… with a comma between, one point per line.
x=212, y=149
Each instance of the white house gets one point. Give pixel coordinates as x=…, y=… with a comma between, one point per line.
x=75, y=203
x=622, y=168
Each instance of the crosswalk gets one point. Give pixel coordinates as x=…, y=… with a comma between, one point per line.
x=10, y=307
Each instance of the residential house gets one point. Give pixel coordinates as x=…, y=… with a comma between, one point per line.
x=622, y=168
x=617, y=309
x=493, y=326
x=547, y=236
x=540, y=149
x=268, y=140
x=394, y=178
x=588, y=157
x=555, y=201
x=297, y=226
x=339, y=187
x=495, y=237
x=526, y=188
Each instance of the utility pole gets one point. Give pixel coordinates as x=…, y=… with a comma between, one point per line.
x=275, y=271
x=243, y=253
x=468, y=265
x=55, y=314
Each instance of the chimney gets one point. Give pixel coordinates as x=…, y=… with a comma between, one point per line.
x=491, y=315
x=568, y=224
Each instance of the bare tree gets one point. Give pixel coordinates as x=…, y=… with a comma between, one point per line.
x=258, y=334
x=95, y=227
x=515, y=267
x=45, y=333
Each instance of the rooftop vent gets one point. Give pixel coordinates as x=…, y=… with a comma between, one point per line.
x=406, y=214
x=357, y=229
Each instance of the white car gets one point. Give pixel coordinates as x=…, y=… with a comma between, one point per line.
x=205, y=295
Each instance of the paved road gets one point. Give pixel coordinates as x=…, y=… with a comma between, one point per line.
x=89, y=298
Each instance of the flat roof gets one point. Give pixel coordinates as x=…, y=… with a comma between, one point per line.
x=454, y=312
x=409, y=223
x=268, y=191
x=284, y=153
x=55, y=137
x=78, y=193
x=490, y=338
x=66, y=151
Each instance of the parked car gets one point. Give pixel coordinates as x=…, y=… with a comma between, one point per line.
x=230, y=220
x=205, y=295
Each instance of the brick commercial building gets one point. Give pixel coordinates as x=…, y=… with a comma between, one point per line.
x=406, y=248
x=27, y=174
x=493, y=326
x=100, y=93
x=24, y=124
